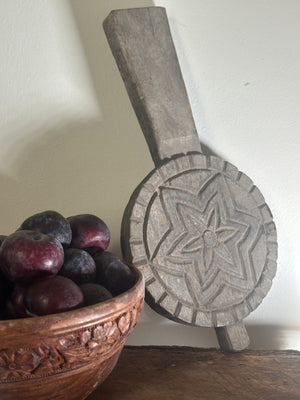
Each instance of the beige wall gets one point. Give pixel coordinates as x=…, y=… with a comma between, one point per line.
x=69, y=139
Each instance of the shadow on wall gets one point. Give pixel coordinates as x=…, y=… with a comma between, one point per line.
x=94, y=165
x=89, y=16
x=153, y=329
x=79, y=164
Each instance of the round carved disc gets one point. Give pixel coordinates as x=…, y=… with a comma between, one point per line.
x=204, y=238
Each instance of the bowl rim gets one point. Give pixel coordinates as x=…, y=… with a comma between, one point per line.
x=65, y=321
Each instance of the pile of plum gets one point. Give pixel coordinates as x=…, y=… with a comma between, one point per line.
x=53, y=264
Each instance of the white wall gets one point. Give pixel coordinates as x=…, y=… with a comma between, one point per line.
x=69, y=139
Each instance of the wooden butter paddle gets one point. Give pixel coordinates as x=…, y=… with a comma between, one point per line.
x=197, y=227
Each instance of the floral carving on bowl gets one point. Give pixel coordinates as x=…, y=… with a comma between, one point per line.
x=59, y=354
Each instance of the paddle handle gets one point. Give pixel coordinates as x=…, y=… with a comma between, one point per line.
x=141, y=42
x=233, y=338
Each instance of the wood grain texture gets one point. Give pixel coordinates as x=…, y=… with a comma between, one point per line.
x=191, y=374
x=233, y=337
x=207, y=257
x=142, y=44
x=197, y=227
x=65, y=356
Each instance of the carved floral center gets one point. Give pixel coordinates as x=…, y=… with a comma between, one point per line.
x=210, y=238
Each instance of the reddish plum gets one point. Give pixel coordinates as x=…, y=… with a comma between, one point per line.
x=25, y=255
x=89, y=231
x=53, y=294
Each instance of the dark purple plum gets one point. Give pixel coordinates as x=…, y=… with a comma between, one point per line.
x=2, y=238
x=79, y=266
x=94, y=293
x=112, y=273
x=89, y=231
x=92, y=250
x=6, y=287
x=16, y=303
x=50, y=223
x=25, y=255
x=53, y=294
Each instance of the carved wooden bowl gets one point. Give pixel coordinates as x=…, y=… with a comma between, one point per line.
x=66, y=356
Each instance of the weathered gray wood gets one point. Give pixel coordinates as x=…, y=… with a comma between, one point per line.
x=141, y=42
x=197, y=227
x=208, y=259
x=233, y=337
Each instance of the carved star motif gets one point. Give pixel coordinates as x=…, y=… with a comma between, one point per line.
x=202, y=244
x=205, y=237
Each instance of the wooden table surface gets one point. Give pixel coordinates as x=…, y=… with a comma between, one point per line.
x=173, y=373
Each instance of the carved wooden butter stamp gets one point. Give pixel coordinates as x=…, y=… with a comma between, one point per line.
x=197, y=227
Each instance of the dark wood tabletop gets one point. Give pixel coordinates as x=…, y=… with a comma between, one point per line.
x=187, y=373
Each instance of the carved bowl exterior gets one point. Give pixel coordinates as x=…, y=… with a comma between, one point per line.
x=66, y=356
